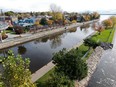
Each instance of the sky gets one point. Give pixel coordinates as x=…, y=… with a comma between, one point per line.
x=66, y=5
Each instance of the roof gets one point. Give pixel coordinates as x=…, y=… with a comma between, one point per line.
x=3, y=25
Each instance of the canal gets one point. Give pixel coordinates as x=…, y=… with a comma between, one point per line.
x=40, y=51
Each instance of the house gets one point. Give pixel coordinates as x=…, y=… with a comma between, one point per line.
x=7, y=20
x=25, y=22
x=80, y=18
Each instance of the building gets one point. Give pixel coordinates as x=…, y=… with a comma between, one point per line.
x=25, y=22
x=7, y=20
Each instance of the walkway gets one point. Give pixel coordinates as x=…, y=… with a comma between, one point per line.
x=28, y=37
x=105, y=74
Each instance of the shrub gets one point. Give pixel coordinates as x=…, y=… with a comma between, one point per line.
x=59, y=80
x=4, y=36
x=18, y=29
x=74, y=21
x=71, y=64
x=91, y=43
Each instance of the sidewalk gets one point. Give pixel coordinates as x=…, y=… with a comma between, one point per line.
x=29, y=37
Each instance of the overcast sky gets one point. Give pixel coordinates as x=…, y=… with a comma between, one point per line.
x=66, y=5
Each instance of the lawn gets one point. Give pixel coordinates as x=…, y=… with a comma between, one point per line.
x=105, y=36
x=42, y=81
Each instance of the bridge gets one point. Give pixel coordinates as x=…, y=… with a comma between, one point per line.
x=107, y=14
x=110, y=12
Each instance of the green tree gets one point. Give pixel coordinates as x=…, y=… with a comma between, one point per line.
x=59, y=80
x=70, y=63
x=16, y=72
x=43, y=21
x=9, y=13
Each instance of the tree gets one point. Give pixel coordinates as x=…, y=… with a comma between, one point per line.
x=107, y=23
x=16, y=72
x=9, y=13
x=49, y=22
x=43, y=21
x=59, y=80
x=56, y=12
x=70, y=64
x=113, y=19
x=96, y=15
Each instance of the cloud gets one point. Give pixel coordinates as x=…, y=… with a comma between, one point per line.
x=66, y=5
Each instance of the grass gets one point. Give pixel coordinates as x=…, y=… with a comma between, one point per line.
x=10, y=31
x=42, y=81
x=82, y=50
x=103, y=37
x=111, y=36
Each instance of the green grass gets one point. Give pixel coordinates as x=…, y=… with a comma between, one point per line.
x=42, y=81
x=82, y=50
x=111, y=36
x=103, y=37
x=89, y=54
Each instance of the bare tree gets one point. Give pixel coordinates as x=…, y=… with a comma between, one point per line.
x=55, y=8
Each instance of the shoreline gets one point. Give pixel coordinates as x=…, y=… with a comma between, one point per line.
x=31, y=37
x=92, y=63
x=42, y=71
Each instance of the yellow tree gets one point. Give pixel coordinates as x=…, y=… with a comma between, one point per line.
x=56, y=12
x=113, y=19
x=37, y=23
x=107, y=23
x=49, y=22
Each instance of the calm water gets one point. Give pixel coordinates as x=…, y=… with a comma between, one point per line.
x=40, y=51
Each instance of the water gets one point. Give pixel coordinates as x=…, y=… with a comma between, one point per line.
x=40, y=51
x=105, y=74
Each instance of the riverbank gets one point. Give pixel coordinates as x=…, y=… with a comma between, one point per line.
x=29, y=37
x=92, y=62
x=41, y=72
x=95, y=57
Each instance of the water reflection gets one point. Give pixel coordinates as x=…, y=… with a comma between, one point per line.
x=22, y=50
x=84, y=26
x=40, y=50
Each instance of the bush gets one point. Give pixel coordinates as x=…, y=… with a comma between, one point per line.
x=91, y=43
x=10, y=28
x=59, y=80
x=16, y=71
x=18, y=29
x=4, y=36
x=74, y=21
x=71, y=64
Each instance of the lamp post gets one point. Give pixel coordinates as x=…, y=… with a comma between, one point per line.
x=1, y=36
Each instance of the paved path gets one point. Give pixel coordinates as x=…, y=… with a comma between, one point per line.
x=28, y=37
x=105, y=74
